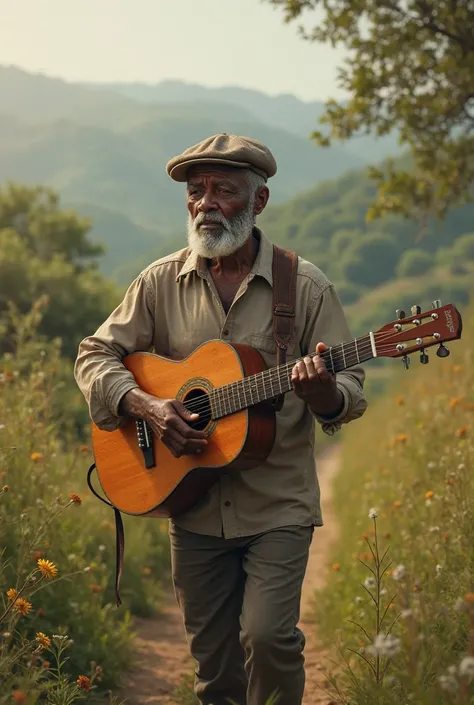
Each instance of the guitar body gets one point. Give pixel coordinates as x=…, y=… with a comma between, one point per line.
x=238, y=441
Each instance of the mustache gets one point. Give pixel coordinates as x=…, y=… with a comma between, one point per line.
x=203, y=218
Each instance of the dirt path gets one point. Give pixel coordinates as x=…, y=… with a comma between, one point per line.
x=162, y=650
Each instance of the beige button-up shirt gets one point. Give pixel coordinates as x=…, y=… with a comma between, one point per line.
x=171, y=308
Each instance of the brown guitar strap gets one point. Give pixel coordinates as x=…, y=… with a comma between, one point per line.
x=285, y=268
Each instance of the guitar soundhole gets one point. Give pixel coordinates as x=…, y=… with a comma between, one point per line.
x=197, y=401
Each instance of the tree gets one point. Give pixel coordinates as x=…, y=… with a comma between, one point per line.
x=414, y=262
x=44, y=252
x=410, y=70
x=370, y=261
x=464, y=247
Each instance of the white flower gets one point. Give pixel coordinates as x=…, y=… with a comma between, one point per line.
x=448, y=683
x=399, y=572
x=385, y=645
x=383, y=591
x=101, y=548
x=2, y=426
x=369, y=583
x=466, y=667
x=358, y=600
x=438, y=569
x=431, y=465
x=373, y=513
x=404, y=614
x=461, y=466
x=87, y=569
x=434, y=528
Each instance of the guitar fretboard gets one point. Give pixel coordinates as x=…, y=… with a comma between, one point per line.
x=277, y=380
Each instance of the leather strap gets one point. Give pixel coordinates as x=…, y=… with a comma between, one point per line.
x=119, y=536
x=285, y=268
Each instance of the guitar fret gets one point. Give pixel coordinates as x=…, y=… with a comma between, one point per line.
x=332, y=361
x=343, y=355
x=238, y=395
x=357, y=350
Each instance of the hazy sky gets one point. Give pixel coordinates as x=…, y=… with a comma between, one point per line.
x=212, y=42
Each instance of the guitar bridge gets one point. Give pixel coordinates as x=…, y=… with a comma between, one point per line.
x=145, y=442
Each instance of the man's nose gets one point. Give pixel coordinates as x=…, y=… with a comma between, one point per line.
x=207, y=203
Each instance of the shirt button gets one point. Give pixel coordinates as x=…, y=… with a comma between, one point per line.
x=227, y=504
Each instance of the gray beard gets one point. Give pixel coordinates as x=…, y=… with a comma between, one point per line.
x=223, y=241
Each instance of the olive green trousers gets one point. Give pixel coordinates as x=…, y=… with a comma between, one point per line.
x=240, y=600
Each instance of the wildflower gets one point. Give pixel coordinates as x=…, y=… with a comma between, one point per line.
x=429, y=494
x=75, y=499
x=84, y=449
x=457, y=368
x=87, y=569
x=41, y=612
x=431, y=465
x=19, y=696
x=37, y=555
x=448, y=683
x=373, y=513
x=401, y=438
x=385, y=645
x=404, y=614
x=46, y=664
x=455, y=401
x=35, y=457
x=461, y=466
x=95, y=588
x=466, y=667
x=102, y=549
x=383, y=591
x=84, y=683
x=147, y=571
x=5, y=488
x=358, y=599
x=43, y=640
x=22, y=606
x=47, y=568
x=336, y=567
x=469, y=598
x=461, y=432
x=397, y=504
x=399, y=572
x=438, y=569
x=400, y=401
x=11, y=594
x=369, y=583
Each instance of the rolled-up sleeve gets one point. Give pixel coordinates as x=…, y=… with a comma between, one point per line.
x=99, y=371
x=327, y=324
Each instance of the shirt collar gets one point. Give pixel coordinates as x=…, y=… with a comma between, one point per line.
x=262, y=267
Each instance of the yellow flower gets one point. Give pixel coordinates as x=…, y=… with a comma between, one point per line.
x=22, y=606
x=84, y=683
x=47, y=568
x=11, y=594
x=43, y=640
x=35, y=457
x=75, y=499
x=429, y=494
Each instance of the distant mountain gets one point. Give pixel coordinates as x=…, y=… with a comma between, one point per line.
x=282, y=111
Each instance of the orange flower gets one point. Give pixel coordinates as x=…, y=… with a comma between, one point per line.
x=37, y=555
x=445, y=538
x=95, y=588
x=84, y=449
x=19, y=696
x=397, y=504
x=457, y=368
x=462, y=432
x=401, y=438
x=400, y=401
x=22, y=606
x=147, y=571
x=75, y=499
x=46, y=664
x=35, y=457
x=429, y=494
x=336, y=567
x=469, y=597
x=455, y=401
x=43, y=640
x=11, y=594
x=84, y=683
x=47, y=568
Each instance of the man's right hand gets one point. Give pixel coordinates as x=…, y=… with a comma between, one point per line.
x=169, y=420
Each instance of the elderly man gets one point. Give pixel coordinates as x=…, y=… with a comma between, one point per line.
x=240, y=555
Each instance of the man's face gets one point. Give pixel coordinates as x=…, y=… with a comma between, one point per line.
x=222, y=210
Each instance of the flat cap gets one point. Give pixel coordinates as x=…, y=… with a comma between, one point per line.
x=227, y=150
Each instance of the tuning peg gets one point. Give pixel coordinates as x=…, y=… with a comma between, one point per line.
x=443, y=351
x=424, y=359
x=436, y=304
x=406, y=361
x=400, y=314
x=415, y=310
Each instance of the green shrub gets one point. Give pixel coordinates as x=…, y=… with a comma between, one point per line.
x=414, y=262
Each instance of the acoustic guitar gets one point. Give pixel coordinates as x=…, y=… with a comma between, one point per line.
x=231, y=389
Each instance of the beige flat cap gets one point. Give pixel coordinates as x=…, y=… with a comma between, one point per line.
x=227, y=150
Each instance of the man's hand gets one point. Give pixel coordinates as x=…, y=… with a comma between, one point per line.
x=169, y=420
x=315, y=385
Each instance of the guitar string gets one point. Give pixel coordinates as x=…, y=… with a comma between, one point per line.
x=226, y=395
x=274, y=374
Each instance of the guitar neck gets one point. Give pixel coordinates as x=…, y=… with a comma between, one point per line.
x=277, y=380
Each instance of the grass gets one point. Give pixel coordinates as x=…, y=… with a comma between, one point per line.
x=399, y=602
x=57, y=545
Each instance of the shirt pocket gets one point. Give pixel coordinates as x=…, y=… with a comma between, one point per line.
x=266, y=344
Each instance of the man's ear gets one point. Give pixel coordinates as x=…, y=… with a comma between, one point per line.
x=261, y=199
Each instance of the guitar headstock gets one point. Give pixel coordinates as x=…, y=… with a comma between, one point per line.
x=421, y=330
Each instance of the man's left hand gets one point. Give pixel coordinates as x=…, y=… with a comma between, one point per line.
x=314, y=384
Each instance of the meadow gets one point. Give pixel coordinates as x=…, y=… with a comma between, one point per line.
x=399, y=602
x=61, y=636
